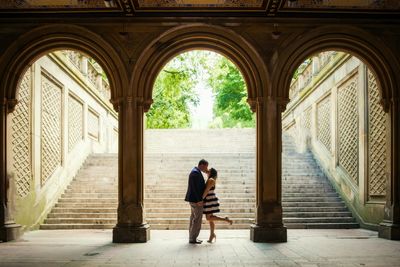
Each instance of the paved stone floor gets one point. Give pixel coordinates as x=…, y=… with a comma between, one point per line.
x=170, y=248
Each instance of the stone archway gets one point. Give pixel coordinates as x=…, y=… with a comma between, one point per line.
x=383, y=64
x=131, y=225
x=16, y=60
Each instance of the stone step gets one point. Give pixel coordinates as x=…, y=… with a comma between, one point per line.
x=184, y=205
x=311, y=199
x=88, y=200
x=90, y=195
x=181, y=199
x=320, y=214
x=66, y=226
x=83, y=210
x=331, y=225
x=313, y=204
x=181, y=194
x=185, y=221
x=171, y=210
x=205, y=226
x=72, y=205
x=309, y=194
x=183, y=187
x=319, y=220
x=315, y=209
x=160, y=190
x=185, y=215
x=81, y=220
x=91, y=190
x=109, y=215
x=94, y=184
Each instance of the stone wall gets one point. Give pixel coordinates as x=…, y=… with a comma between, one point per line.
x=63, y=115
x=337, y=116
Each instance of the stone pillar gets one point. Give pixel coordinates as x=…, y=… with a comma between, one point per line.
x=131, y=227
x=9, y=230
x=269, y=224
x=390, y=227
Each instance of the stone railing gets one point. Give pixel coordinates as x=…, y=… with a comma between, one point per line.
x=91, y=70
x=308, y=72
x=338, y=117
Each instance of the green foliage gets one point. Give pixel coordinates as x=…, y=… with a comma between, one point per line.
x=173, y=93
x=230, y=107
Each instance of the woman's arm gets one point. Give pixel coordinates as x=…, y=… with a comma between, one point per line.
x=209, y=184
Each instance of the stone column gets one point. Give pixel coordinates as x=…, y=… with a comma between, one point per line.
x=390, y=227
x=269, y=225
x=9, y=230
x=131, y=227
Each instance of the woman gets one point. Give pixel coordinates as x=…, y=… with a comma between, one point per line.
x=211, y=204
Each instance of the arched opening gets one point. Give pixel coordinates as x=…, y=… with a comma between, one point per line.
x=16, y=61
x=62, y=144
x=132, y=226
x=336, y=144
x=199, y=111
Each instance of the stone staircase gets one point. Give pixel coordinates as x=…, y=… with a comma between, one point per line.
x=308, y=198
x=309, y=201
x=91, y=200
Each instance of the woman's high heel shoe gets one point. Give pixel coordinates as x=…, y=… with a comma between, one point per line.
x=229, y=221
x=210, y=240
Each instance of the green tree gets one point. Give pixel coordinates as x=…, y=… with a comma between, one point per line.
x=230, y=107
x=173, y=93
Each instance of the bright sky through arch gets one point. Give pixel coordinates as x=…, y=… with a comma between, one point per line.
x=202, y=114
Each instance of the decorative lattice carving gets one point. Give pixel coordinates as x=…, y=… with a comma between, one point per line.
x=93, y=124
x=75, y=122
x=348, y=127
x=377, y=140
x=324, y=122
x=51, y=127
x=306, y=119
x=20, y=137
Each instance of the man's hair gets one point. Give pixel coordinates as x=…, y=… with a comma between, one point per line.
x=203, y=162
x=213, y=173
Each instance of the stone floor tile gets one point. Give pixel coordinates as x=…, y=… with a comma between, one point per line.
x=305, y=248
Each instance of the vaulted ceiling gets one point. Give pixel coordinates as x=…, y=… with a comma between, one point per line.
x=263, y=7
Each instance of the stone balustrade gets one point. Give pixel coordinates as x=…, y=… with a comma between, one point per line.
x=308, y=72
x=91, y=70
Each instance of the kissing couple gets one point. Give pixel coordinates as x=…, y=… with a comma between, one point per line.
x=203, y=200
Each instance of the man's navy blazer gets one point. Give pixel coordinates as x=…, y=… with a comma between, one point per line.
x=196, y=186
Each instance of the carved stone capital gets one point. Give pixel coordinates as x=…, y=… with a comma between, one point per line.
x=147, y=104
x=385, y=103
x=9, y=104
x=261, y=101
x=252, y=103
x=282, y=102
x=116, y=103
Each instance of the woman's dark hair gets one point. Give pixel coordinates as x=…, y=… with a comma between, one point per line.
x=213, y=173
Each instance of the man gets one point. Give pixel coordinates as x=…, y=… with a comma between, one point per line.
x=194, y=196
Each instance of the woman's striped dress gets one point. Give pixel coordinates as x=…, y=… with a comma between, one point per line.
x=211, y=204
